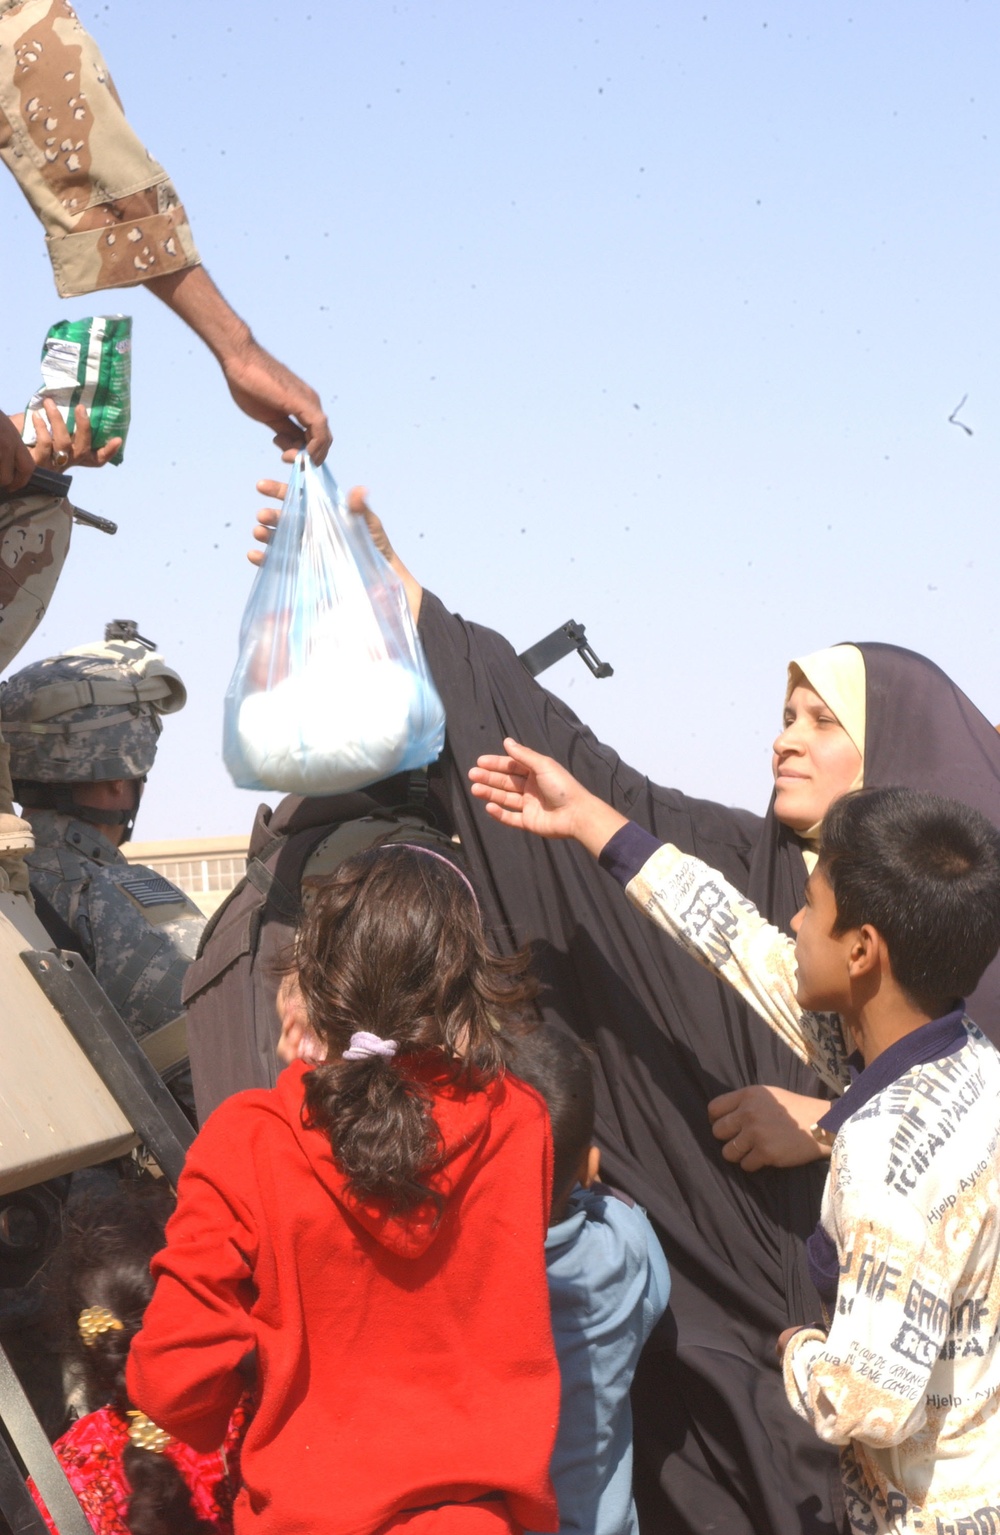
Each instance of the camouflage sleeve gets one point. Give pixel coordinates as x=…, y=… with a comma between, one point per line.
x=111, y=215
x=34, y=541
x=145, y=934
x=726, y=933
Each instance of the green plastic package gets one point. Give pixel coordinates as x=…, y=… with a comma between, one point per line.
x=88, y=362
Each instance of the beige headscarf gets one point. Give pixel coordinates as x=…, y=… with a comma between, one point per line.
x=838, y=676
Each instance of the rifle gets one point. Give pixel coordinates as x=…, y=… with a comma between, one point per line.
x=45, y=482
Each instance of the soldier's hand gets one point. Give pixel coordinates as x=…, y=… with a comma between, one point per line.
x=54, y=448
x=261, y=385
x=267, y=391
x=16, y=463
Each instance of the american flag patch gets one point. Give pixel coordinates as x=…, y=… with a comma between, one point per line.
x=150, y=889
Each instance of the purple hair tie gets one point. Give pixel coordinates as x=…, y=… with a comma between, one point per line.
x=364, y=1044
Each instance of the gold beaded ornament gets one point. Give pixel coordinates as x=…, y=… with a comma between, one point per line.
x=145, y=1434
x=96, y=1320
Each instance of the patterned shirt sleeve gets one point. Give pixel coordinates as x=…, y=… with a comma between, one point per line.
x=722, y=930
x=111, y=215
x=900, y=1264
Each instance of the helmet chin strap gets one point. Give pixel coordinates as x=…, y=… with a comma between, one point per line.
x=129, y=816
x=61, y=797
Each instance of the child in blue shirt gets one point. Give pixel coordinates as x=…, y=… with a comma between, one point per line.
x=608, y=1287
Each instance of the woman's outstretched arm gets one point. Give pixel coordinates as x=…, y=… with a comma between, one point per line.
x=700, y=910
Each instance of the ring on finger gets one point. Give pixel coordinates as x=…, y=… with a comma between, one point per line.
x=60, y=458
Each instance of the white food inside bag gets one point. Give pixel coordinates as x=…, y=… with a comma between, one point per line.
x=329, y=728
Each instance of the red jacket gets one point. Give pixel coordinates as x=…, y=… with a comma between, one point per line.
x=401, y=1363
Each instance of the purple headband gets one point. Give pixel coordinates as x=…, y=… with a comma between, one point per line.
x=415, y=847
x=364, y=1044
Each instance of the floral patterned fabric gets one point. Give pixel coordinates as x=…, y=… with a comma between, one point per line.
x=91, y=1455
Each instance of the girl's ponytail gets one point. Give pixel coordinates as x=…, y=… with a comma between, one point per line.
x=395, y=971
x=380, y=1123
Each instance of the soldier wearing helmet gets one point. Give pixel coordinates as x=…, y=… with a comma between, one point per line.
x=82, y=728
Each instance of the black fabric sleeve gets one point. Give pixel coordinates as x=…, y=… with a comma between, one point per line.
x=488, y=694
x=666, y=1037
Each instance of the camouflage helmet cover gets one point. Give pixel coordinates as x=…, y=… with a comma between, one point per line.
x=89, y=714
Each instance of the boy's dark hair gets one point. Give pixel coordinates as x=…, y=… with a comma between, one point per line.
x=557, y=1066
x=925, y=873
x=394, y=945
x=103, y=1260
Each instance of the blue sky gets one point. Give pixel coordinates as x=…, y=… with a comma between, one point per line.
x=649, y=315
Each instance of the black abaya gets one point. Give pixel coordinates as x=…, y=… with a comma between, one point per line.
x=924, y=733
x=717, y=1446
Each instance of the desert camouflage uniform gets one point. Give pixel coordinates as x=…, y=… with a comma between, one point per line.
x=34, y=541
x=111, y=215
x=112, y=219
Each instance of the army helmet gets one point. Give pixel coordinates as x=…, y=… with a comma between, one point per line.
x=90, y=714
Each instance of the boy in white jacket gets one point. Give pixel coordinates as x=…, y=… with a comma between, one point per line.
x=902, y=916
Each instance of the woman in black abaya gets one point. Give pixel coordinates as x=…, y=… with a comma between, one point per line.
x=717, y=1448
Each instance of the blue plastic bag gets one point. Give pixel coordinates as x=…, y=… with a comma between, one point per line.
x=331, y=691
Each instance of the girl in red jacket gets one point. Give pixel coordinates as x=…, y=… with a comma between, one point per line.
x=367, y=1239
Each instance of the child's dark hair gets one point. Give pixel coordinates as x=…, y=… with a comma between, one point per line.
x=557, y=1066
x=394, y=946
x=925, y=873
x=103, y=1261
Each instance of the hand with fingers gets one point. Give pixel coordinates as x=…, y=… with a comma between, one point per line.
x=534, y=793
x=263, y=388
x=267, y=391
x=56, y=448
x=767, y=1127
x=269, y=516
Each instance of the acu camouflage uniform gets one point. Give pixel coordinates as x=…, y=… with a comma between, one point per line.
x=88, y=716
x=137, y=932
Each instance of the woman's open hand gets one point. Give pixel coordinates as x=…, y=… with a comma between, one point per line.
x=535, y=793
x=767, y=1127
x=269, y=516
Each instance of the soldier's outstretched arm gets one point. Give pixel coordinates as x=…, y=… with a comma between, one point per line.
x=262, y=387
x=111, y=215
x=357, y=501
